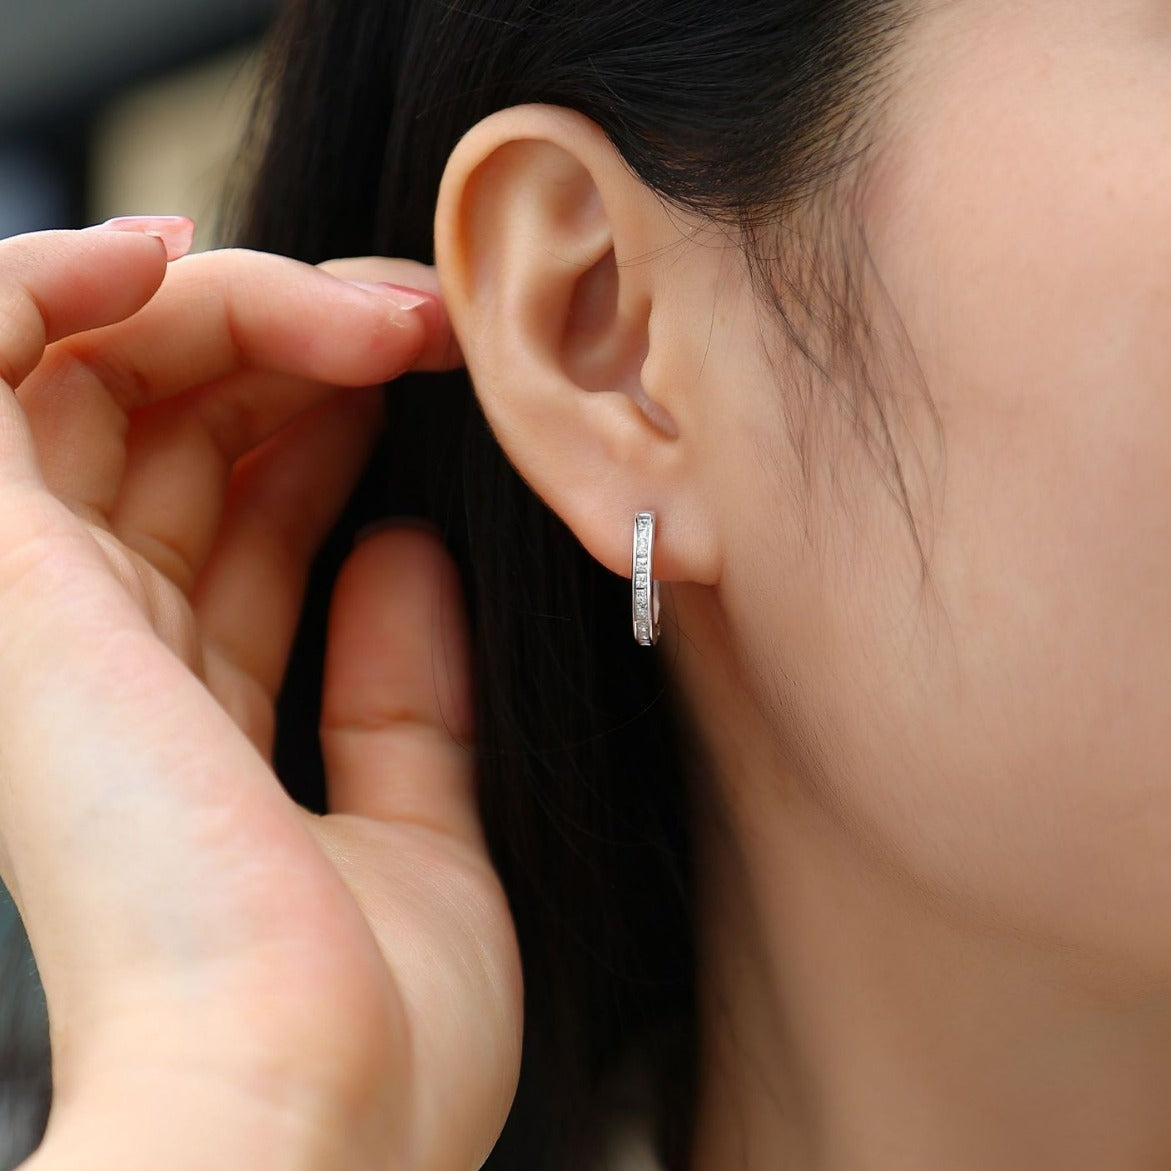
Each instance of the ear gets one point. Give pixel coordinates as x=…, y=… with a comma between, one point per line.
x=559, y=270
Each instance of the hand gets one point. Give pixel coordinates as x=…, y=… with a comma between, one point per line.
x=233, y=981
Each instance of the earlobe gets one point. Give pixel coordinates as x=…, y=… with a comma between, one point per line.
x=547, y=251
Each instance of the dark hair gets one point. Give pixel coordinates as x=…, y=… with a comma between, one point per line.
x=744, y=111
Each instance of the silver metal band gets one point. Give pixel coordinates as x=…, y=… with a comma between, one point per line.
x=644, y=588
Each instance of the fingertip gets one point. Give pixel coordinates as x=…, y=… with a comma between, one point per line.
x=419, y=328
x=176, y=233
x=384, y=524
x=119, y=273
x=60, y=283
x=420, y=283
x=414, y=303
x=439, y=350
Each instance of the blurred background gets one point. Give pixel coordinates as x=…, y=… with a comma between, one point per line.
x=119, y=107
x=107, y=107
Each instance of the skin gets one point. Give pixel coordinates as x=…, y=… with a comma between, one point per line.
x=169, y=459
x=933, y=916
x=935, y=925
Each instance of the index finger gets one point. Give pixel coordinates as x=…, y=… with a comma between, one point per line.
x=55, y=283
x=442, y=350
x=221, y=312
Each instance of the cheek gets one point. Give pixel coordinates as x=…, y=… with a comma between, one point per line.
x=1005, y=735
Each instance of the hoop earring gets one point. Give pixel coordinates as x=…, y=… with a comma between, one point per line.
x=644, y=588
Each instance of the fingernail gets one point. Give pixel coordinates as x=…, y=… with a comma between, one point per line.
x=399, y=296
x=176, y=231
x=396, y=522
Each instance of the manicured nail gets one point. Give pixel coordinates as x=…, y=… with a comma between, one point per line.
x=399, y=296
x=176, y=231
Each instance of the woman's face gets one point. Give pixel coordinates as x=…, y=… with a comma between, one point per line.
x=1003, y=736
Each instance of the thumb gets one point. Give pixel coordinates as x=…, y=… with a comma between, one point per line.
x=397, y=707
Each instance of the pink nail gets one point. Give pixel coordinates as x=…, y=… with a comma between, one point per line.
x=399, y=296
x=176, y=231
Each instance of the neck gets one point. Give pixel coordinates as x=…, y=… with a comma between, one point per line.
x=849, y=1024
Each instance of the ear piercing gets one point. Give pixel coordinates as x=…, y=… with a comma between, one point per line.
x=644, y=588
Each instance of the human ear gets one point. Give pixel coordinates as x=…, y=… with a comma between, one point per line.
x=556, y=267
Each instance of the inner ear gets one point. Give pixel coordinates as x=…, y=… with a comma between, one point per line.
x=603, y=347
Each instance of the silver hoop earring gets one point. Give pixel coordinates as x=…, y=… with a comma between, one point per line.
x=644, y=588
